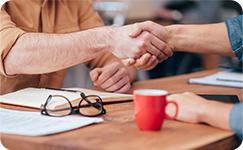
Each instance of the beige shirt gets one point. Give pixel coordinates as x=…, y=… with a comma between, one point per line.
x=49, y=16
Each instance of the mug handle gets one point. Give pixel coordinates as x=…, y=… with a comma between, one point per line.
x=174, y=117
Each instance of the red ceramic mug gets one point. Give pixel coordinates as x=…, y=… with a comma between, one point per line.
x=149, y=108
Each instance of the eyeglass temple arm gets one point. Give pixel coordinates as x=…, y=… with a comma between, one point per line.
x=90, y=103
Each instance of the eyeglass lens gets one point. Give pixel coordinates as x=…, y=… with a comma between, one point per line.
x=90, y=106
x=62, y=110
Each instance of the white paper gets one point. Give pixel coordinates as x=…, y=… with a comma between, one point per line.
x=35, y=124
x=230, y=75
x=212, y=80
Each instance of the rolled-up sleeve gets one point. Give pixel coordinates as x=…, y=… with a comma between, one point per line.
x=9, y=34
x=235, y=33
x=236, y=118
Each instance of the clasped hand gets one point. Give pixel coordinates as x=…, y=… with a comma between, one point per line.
x=146, y=46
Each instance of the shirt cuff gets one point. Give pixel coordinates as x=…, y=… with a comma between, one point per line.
x=235, y=32
x=235, y=119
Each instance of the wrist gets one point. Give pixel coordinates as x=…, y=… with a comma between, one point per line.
x=202, y=111
x=98, y=38
x=172, y=29
x=215, y=113
x=109, y=38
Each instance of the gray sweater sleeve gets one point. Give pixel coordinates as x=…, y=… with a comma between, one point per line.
x=236, y=118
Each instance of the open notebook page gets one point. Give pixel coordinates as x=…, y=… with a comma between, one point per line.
x=35, y=97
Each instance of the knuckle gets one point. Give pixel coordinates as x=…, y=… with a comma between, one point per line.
x=149, y=22
x=111, y=81
x=126, y=87
x=165, y=58
x=147, y=36
x=145, y=33
x=108, y=72
x=136, y=25
x=171, y=53
x=124, y=71
x=142, y=45
x=102, y=86
x=115, y=87
x=143, y=62
x=127, y=79
x=117, y=64
x=162, y=46
x=159, y=54
x=187, y=93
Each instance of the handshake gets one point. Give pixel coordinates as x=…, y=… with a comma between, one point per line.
x=142, y=45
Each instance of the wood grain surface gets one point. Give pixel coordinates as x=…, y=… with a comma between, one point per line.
x=119, y=130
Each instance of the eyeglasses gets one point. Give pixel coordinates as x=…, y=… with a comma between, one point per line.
x=89, y=106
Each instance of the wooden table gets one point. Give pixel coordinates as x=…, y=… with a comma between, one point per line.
x=119, y=130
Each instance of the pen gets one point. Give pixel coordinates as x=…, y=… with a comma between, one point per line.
x=62, y=90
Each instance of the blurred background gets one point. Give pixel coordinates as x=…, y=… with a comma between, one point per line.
x=164, y=12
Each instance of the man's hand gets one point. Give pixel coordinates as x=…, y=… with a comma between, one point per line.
x=146, y=62
x=158, y=31
x=195, y=109
x=113, y=78
x=190, y=106
x=124, y=46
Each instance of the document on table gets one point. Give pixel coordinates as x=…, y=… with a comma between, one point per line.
x=224, y=78
x=35, y=124
x=230, y=75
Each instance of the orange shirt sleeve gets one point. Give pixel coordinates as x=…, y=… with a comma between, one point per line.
x=9, y=34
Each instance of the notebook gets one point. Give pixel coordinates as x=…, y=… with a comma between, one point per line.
x=35, y=97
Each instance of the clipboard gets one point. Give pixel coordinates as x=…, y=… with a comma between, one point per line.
x=222, y=98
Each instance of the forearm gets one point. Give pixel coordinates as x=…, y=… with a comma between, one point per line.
x=206, y=39
x=36, y=53
x=216, y=114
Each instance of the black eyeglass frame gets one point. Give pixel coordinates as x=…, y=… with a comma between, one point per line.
x=76, y=110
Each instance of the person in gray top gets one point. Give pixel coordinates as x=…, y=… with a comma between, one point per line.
x=225, y=38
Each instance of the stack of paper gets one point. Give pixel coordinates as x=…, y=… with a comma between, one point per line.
x=35, y=124
x=229, y=78
x=230, y=75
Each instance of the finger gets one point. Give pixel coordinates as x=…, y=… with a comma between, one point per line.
x=118, y=85
x=129, y=62
x=172, y=97
x=124, y=89
x=149, y=64
x=114, y=78
x=107, y=73
x=146, y=44
x=154, y=62
x=154, y=28
x=94, y=74
x=163, y=47
x=149, y=43
x=142, y=61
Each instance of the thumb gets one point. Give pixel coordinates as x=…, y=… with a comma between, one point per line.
x=95, y=73
x=137, y=28
x=134, y=31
